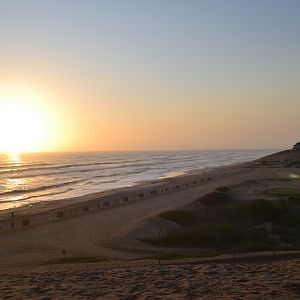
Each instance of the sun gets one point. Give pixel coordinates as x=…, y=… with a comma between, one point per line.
x=22, y=127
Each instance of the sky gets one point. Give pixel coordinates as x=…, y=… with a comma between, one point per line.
x=152, y=74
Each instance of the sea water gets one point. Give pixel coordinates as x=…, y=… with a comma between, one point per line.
x=27, y=179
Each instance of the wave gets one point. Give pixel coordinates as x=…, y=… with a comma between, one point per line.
x=40, y=188
x=5, y=165
x=133, y=163
x=120, y=174
x=20, y=170
x=77, y=171
x=102, y=182
x=85, y=173
x=127, y=163
x=46, y=187
x=37, y=196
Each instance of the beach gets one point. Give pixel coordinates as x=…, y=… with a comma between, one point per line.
x=142, y=150
x=105, y=256
x=257, y=279
x=92, y=225
x=94, y=228
x=30, y=179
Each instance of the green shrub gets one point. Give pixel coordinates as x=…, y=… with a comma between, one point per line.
x=217, y=237
x=282, y=192
x=215, y=198
x=258, y=236
x=263, y=209
x=210, y=235
x=181, y=217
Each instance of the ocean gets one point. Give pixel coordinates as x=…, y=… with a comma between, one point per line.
x=27, y=179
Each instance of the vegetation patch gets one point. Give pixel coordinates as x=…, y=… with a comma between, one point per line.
x=73, y=260
x=282, y=192
x=215, y=198
x=205, y=235
x=289, y=236
x=181, y=255
x=225, y=226
x=289, y=220
x=258, y=236
x=218, y=237
x=263, y=209
x=181, y=217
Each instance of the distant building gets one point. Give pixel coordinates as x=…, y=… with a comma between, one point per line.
x=296, y=147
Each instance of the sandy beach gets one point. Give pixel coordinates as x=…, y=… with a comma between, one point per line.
x=142, y=150
x=102, y=230
x=106, y=231
x=257, y=279
x=31, y=255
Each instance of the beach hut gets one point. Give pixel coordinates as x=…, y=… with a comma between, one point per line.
x=296, y=147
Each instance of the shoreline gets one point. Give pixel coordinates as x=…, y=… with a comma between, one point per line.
x=49, y=211
x=32, y=200
x=110, y=232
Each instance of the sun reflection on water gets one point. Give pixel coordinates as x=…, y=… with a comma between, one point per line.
x=14, y=158
x=13, y=184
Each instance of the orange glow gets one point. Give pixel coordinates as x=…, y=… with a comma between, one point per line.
x=23, y=127
x=27, y=122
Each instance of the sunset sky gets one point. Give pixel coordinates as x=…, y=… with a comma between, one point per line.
x=149, y=75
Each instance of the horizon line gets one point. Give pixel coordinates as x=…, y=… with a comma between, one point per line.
x=146, y=150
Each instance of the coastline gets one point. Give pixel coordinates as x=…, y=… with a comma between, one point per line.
x=73, y=175
x=88, y=227
x=49, y=211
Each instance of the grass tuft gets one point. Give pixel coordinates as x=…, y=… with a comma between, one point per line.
x=263, y=209
x=181, y=217
x=282, y=192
